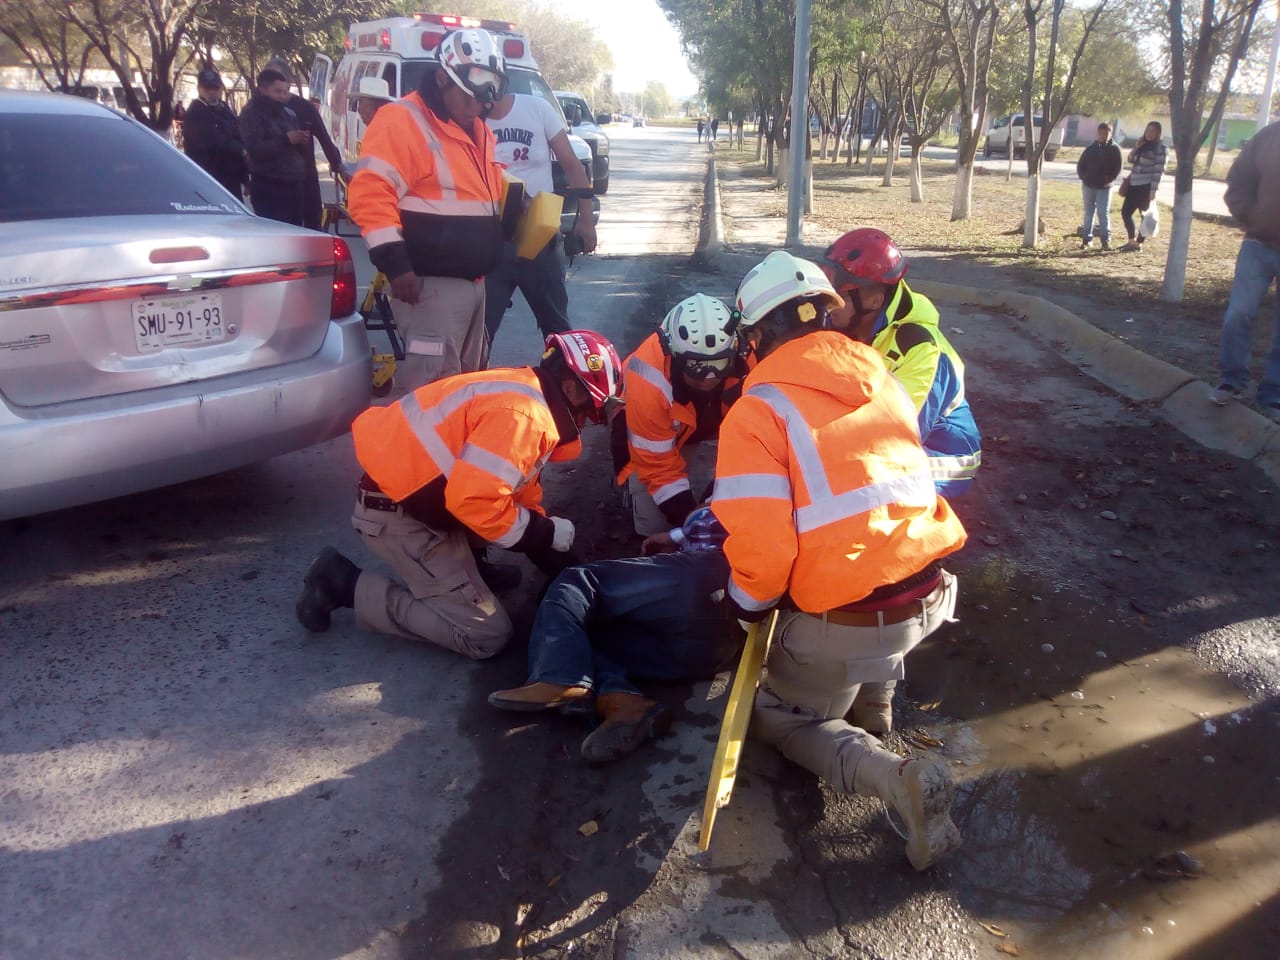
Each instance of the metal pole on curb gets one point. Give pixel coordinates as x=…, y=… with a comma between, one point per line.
x=799, y=124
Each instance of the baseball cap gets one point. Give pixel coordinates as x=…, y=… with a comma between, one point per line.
x=209, y=78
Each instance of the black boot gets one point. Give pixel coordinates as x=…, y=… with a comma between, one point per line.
x=499, y=577
x=330, y=583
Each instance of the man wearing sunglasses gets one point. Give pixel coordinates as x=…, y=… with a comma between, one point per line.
x=427, y=195
x=676, y=388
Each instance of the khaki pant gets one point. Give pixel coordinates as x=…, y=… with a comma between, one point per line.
x=700, y=468
x=441, y=600
x=443, y=332
x=814, y=671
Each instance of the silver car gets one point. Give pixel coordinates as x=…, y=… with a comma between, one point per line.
x=151, y=330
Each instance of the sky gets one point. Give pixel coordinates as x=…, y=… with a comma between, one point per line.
x=645, y=46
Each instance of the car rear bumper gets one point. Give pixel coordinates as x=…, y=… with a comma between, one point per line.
x=84, y=451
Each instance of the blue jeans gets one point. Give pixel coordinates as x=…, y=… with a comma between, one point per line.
x=1097, y=200
x=541, y=280
x=1257, y=265
x=652, y=617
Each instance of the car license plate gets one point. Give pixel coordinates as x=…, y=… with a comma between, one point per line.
x=178, y=321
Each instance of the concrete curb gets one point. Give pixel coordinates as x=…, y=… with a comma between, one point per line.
x=1182, y=399
x=712, y=237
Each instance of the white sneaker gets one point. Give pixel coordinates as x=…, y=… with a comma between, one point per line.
x=1224, y=394
x=921, y=792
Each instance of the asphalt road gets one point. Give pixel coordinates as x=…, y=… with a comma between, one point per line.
x=185, y=772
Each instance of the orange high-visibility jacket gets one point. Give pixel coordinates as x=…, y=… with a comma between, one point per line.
x=657, y=425
x=427, y=197
x=488, y=433
x=822, y=483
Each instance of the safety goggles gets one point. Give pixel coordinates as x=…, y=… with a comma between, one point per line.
x=487, y=86
x=707, y=368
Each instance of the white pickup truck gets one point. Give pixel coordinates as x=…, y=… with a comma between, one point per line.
x=1012, y=129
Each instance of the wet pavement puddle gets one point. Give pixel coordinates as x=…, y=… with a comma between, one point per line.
x=1116, y=799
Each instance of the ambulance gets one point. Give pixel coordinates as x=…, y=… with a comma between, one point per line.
x=400, y=50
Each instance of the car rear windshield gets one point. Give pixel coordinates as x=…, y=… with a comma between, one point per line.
x=53, y=167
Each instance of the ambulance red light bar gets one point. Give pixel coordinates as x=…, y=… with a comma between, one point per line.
x=453, y=21
x=384, y=40
x=512, y=49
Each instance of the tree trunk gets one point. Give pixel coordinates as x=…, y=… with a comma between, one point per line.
x=784, y=166
x=1031, y=229
x=962, y=196
x=808, y=186
x=917, y=175
x=1175, y=265
x=887, y=179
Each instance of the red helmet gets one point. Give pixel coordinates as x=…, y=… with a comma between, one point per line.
x=863, y=257
x=593, y=360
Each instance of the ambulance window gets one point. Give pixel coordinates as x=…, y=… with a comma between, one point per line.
x=526, y=81
x=389, y=75
x=414, y=71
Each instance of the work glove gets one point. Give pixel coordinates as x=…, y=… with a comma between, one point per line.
x=562, y=539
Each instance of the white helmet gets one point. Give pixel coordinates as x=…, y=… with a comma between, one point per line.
x=474, y=62
x=699, y=332
x=778, y=279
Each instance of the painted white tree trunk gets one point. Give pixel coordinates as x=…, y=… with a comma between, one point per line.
x=962, y=197
x=917, y=177
x=784, y=166
x=808, y=186
x=1031, y=233
x=887, y=179
x=871, y=155
x=1175, y=265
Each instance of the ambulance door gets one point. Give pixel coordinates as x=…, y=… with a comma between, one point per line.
x=321, y=72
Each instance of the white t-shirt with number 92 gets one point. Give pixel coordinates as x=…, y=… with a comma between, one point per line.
x=524, y=136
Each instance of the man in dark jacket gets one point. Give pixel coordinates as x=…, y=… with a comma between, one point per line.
x=1097, y=168
x=309, y=119
x=1253, y=197
x=211, y=135
x=278, y=148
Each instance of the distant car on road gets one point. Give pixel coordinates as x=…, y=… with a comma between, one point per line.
x=151, y=330
x=1012, y=129
x=638, y=122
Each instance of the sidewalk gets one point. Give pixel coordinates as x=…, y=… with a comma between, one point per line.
x=743, y=224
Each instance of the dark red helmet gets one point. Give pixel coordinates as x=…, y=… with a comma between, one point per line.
x=862, y=257
x=593, y=360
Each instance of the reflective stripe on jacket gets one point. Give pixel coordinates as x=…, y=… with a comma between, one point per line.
x=488, y=433
x=426, y=196
x=821, y=480
x=920, y=356
x=658, y=426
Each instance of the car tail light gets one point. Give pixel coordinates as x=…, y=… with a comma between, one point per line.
x=343, y=302
x=513, y=49
x=431, y=40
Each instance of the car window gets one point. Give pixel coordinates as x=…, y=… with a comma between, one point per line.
x=46, y=173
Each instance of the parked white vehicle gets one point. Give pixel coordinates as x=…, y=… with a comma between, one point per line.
x=1011, y=128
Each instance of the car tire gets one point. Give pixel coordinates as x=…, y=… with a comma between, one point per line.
x=986, y=149
x=602, y=186
x=1050, y=154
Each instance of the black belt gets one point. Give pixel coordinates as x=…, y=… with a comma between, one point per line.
x=372, y=500
x=875, y=618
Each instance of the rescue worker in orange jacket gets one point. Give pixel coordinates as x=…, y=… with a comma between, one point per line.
x=427, y=195
x=457, y=459
x=677, y=387
x=832, y=516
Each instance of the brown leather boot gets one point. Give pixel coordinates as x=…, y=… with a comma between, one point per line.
x=533, y=697
x=628, y=720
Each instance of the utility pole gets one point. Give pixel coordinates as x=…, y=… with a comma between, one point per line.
x=1264, y=105
x=799, y=124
